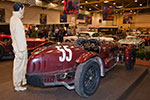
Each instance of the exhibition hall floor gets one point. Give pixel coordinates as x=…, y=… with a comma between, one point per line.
x=118, y=84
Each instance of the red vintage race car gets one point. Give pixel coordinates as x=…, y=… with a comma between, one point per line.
x=78, y=66
x=33, y=43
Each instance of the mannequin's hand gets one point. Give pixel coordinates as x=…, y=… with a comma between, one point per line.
x=20, y=55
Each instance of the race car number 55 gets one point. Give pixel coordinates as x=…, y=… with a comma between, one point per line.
x=64, y=57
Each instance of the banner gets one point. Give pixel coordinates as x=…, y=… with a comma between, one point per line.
x=63, y=17
x=108, y=13
x=71, y=6
x=2, y=15
x=127, y=18
x=43, y=18
x=88, y=19
x=80, y=16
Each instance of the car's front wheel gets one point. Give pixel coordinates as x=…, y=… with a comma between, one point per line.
x=87, y=78
x=1, y=52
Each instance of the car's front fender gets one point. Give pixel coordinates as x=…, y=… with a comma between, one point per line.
x=86, y=56
x=94, y=57
x=128, y=52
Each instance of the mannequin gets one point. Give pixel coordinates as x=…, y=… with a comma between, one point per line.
x=19, y=47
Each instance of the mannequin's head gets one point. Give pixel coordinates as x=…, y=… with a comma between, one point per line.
x=19, y=7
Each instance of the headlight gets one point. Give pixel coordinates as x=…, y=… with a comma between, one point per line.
x=36, y=52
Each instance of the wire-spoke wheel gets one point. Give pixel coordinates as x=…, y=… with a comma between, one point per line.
x=87, y=78
x=1, y=52
x=132, y=59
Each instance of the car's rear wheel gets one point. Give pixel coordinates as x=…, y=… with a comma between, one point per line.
x=87, y=78
x=5, y=40
x=148, y=44
x=1, y=52
x=130, y=64
x=142, y=46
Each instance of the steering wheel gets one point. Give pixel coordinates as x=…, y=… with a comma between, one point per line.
x=80, y=42
x=93, y=45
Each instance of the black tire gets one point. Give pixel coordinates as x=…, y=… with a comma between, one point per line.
x=87, y=78
x=5, y=40
x=29, y=53
x=129, y=65
x=1, y=52
x=142, y=46
x=67, y=40
x=148, y=44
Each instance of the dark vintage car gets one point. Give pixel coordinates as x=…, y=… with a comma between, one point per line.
x=33, y=43
x=4, y=37
x=78, y=66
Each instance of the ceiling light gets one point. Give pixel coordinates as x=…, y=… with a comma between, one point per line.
x=86, y=1
x=90, y=9
x=96, y=5
x=86, y=12
x=106, y=1
x=114, y=3
x=62, y=1
x=36, y=0
x=134, y=12
x=119, y=6
x=140, y=4
x=52, y=5
x=81, y=6
x=135, y=1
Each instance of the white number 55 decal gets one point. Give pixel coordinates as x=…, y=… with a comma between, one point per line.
x=64, y=49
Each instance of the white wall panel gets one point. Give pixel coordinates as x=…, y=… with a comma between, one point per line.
x=142, y=20
x=31, y=14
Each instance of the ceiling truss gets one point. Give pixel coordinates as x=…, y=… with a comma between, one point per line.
x=127, y=4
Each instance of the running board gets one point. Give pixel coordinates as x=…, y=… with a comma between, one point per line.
x=60, y=83
x=108, y=69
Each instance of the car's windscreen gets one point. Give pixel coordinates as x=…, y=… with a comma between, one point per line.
x=84, y=35
x=95, y=35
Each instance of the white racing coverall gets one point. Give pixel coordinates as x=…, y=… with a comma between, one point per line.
x=20, y=49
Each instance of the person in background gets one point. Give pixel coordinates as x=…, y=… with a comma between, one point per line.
x=69, y=32
x=56, y=33
x=112, y=31
x=19, y=47
x=61, y=34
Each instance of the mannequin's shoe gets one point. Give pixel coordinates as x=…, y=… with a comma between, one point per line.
x=20, y=88
x=24, y=82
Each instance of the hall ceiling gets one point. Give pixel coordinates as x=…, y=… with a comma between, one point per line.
x=96, y=5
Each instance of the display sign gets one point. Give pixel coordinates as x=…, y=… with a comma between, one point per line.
x=127, y=18
x=43, y=18
x=88, y=19
x=80, y=16
x=71, y=6
x=108, y=13
x=63, y=17
x=2, y=15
